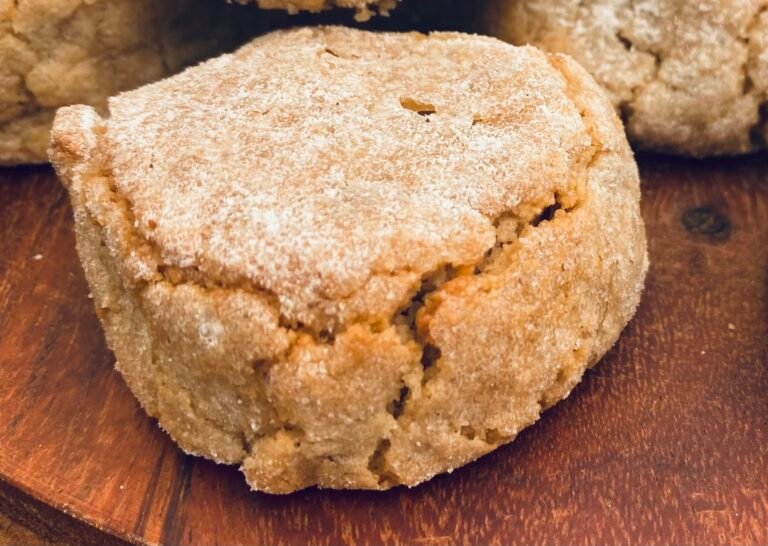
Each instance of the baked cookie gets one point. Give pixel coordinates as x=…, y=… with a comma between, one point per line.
x=59, y=52
x=688, y=77
x=356, y=259
x=362, y=7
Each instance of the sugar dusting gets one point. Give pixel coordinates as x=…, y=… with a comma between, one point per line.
x=294, y=163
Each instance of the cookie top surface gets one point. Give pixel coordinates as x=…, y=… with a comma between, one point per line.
x=312, y=160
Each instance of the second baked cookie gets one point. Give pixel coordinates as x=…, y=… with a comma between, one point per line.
x=59, y=52
x=356, y=260
x=689, y=77
x=362, y=7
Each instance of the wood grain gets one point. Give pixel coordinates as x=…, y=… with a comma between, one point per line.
x=665, y=441
x=14, y=534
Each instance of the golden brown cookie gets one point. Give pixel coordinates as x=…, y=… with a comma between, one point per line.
x=688, y=77
x=59, y=52
x=364, y=8
x=356, y=259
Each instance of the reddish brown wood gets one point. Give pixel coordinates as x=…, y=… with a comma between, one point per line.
x=666, y=441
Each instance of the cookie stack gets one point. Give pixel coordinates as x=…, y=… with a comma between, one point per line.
x=353, y=258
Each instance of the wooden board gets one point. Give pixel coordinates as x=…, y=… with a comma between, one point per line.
x=666, y=441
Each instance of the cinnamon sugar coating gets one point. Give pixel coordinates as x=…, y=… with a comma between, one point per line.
x=356, y=259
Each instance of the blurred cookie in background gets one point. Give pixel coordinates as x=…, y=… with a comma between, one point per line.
x=404, y=15
x=364, y=8
x=55, y=53
x=687, y=77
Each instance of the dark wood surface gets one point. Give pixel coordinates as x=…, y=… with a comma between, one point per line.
x=15, y=534
x=665, y=441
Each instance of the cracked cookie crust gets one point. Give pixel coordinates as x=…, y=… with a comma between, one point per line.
x=59, y=52
x=356, y=260
x=687, y=77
